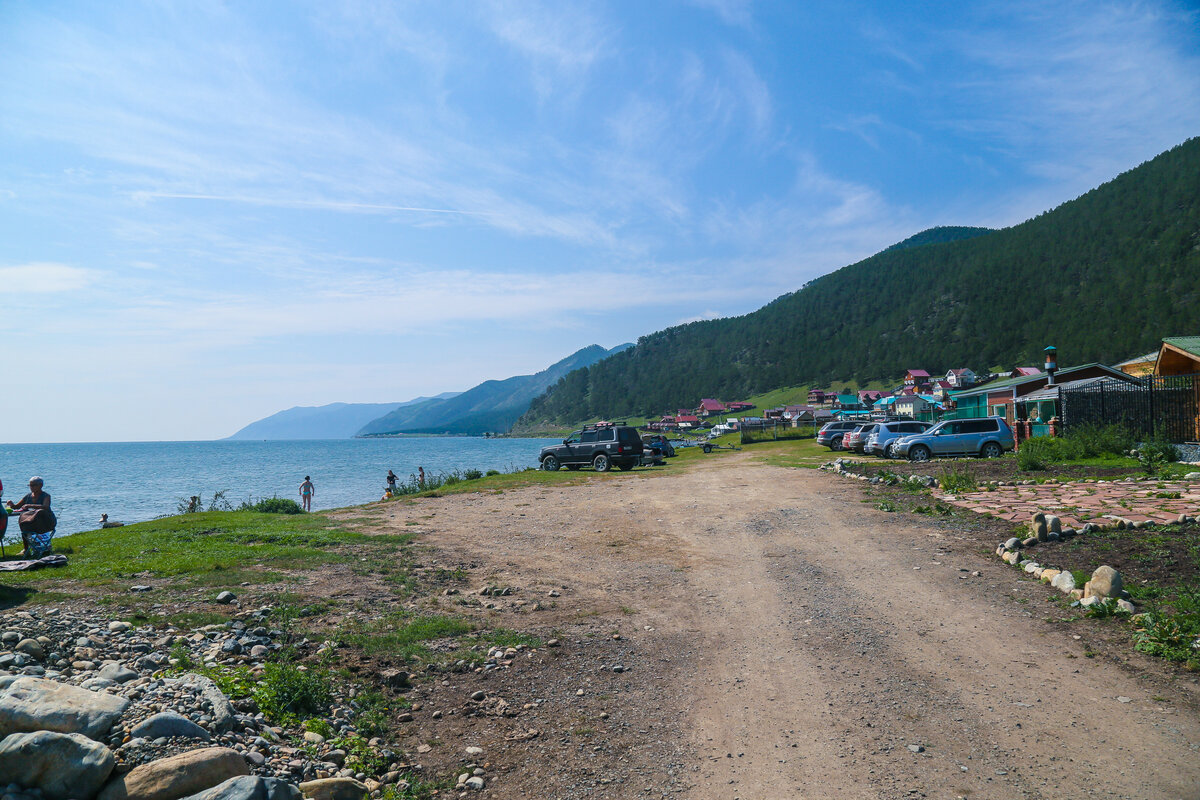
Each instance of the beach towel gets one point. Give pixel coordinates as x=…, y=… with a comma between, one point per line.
x=57, y=560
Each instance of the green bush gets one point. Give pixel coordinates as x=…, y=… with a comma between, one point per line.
x=957, y=480
x=1168, y=636
x=1042, y=451
x=1154, y=455
x=1099, y=440
x=273, y=505
x=288, y=690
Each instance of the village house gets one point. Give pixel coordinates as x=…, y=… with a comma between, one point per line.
x=709, y=407
x=686, y=422
x=961, y=378
x=740, y=405
x=869, y=396
x=910, y=405
x=915, y=377
x=1178, y=355
x=1140, y=366
x=1001, y=398
x=817, y=397
x=1024, y=372
x=940, y=388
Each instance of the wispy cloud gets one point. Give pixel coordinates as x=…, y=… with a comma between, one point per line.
x=45, y=278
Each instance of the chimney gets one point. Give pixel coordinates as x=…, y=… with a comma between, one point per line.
x=1051, y=363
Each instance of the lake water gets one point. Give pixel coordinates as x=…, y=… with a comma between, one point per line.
x=137, y=481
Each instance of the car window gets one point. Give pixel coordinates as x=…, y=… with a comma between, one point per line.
x=630, y=435
x=607, y=435
x=979, y=426
x=573, y=438
x=588, y=436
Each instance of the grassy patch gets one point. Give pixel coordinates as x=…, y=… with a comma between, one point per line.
x=404, y=635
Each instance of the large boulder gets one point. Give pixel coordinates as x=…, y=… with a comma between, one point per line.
x=249, y=787
x=334, y=789
x=168, y=723
x=1105, y=582
x=36, y=704
x=223, y=714
x=177, y=776
x=61, y=765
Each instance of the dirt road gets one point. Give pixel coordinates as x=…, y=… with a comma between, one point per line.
x=800, y=643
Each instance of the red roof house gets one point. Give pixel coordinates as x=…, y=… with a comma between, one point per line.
x=914, y=376
x=709, y=406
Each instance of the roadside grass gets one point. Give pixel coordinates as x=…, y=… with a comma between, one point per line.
x=207, y=549
x=804, y=453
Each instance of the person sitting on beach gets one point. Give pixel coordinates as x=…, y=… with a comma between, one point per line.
x=307, y=490
x=104, y=523
x=37, y=541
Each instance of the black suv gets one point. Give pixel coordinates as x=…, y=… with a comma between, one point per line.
x=603, y=447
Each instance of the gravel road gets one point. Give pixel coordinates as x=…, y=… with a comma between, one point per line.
x=785, y=640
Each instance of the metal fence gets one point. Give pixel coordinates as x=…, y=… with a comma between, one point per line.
x=1163, y=407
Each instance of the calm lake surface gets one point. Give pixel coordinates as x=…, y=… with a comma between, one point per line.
x=137, y=481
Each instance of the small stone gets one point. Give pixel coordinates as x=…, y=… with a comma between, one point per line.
x=1012, y=544
x=118, y=627
x=916, y=748
x=1123, y=699
x=170, y=725
x=1063, y=581
x=226, y=597
x=314, y=738
x=474, y=782
x=477, y=696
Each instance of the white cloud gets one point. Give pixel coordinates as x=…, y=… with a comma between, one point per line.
x=41, y=277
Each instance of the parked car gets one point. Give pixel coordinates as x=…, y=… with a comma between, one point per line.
x=661, y=444
x=831, y=433
x=603, y=447
x=856, y=439
x=884, y=436
x=988, y=437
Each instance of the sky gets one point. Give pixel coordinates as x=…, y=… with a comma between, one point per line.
x=211, y=212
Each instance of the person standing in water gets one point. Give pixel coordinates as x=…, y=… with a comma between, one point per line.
x=306, y=493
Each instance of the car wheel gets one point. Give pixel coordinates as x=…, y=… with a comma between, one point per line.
x=573, y=467
x=625, y=467
x=835, y=444
x=601, y=463
x=992, y=450
x=889, y=451
x=918, y=453
x=550, y=464
x=707, y=448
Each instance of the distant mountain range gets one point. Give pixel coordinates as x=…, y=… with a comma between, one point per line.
x=1102, y=277
x=332, y=421
x=492, y=406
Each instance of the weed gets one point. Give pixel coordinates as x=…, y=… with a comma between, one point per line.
x=957, y=480
x=886, y=505
x=288, y=690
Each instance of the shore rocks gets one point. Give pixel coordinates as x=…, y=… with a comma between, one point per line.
x=223, y=713
x=37, y=704
x=169, y=724
x=249, y=787
x=177, y=776
x=334, y=789
x=60, y=765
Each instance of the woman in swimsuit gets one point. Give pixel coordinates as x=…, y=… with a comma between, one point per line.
x=307, y=490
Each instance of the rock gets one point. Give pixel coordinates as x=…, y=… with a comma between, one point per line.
x=474, y=751
x=222, y=712
x=1013, y=556
x=31, y=648
x=1049, y=575
x=314, y=738
x=1192, y=476
x=249, y=787
x=1012, y=544
x=177, y=776
x=474, y=782
x=334, y=789
x=1040, y=531
x=226, y=597
x=117, y=673
x=477, y=696
x=1032, y=567
x=395, y=678
x=1064, y=582
x=1054, y=524
x=1105, y=582
x=1068, y=533
x=96, y=684
x=1090, y=600
x=1126, y=606
x=169, y=724
x=118, y=627
x=1037, y=518
x=61, y=765
x=36, y=704
x=1030, y=542
x=916, y=748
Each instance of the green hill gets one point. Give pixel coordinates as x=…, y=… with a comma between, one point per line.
x=1101, y=277
x=492, y=406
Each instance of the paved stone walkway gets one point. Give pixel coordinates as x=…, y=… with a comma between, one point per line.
x=1079, y=503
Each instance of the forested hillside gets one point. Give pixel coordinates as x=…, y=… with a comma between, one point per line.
x=1103, y=277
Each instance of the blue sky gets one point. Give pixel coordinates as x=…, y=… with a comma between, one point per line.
x=210, y=212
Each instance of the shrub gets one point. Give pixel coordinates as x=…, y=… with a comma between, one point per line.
x=1097, y=440
x=273, y=505
x=1168, y=636
x=472, y=475
x=1154, y=455
x=287, y=690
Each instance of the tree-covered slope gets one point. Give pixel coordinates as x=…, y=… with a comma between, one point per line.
x=492, y=406
x=1102, y=277
x=939, y=235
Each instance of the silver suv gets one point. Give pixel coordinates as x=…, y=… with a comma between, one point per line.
x=884, y=436
x=988, y=437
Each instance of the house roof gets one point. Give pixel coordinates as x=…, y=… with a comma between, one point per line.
x=1142, y=359
x=687, y=418
x=1027, y=371
x=886, y=401
x=917, y=373
x=1051, y=392
x=959, y=371
x=847, y=398
x=943, y=384
x=1008, y=383
x=708, y=404
x=1188, y=344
